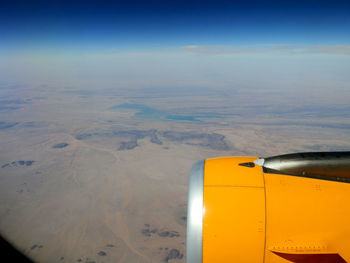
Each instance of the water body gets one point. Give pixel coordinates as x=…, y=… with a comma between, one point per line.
x=146, y=112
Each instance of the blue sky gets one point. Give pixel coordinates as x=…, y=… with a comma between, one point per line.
x=151, y=25
x=259, y=44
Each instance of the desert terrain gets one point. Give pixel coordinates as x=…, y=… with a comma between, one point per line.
x=93, y=174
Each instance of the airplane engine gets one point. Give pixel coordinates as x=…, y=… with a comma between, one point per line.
x=288, y=208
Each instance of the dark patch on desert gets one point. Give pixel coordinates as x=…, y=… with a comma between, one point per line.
x=60, y=145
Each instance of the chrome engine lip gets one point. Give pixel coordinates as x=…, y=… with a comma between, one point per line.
x=194, y=239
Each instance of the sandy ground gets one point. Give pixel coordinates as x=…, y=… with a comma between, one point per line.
x=70, y=198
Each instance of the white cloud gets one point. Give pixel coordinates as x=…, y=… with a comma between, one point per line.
x=270, y=49
x=324, y=49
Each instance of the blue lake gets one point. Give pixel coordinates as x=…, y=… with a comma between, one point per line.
x=146, y=112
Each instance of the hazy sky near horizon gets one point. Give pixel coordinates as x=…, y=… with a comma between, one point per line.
x=172, y=43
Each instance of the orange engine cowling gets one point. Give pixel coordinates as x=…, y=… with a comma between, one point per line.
x=238, y=211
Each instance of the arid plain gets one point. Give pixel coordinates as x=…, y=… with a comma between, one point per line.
x=100, y=175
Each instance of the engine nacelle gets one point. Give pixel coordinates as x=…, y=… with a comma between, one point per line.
x=241, y=211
